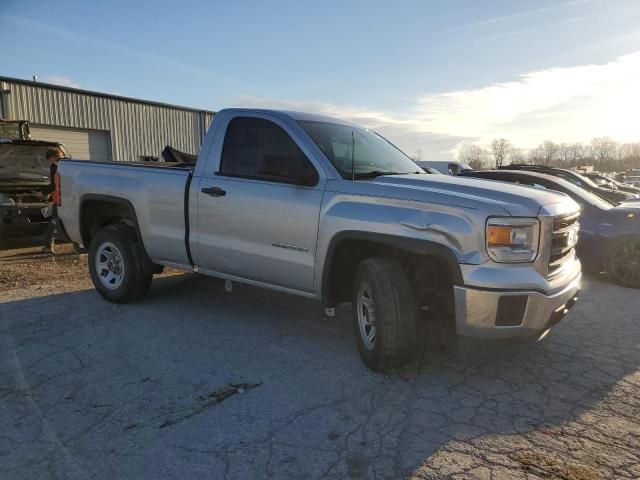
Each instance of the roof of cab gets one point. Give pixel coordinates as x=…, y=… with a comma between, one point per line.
x=295, y=115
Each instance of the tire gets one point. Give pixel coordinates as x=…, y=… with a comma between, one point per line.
x=382, y=295
x=622, y=262
x=4, y=236
x=119, y=267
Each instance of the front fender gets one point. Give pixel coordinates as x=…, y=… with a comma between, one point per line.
x=452, y=233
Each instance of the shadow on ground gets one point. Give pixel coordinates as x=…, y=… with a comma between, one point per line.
x=197, y=383
x=22, y=236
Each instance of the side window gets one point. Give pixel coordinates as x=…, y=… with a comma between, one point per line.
x=260, y=149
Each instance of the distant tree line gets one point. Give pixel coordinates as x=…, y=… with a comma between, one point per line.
x=603, y=153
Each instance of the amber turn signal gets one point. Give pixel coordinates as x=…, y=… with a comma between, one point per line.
x=498, y=236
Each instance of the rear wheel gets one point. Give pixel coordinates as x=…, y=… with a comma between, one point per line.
x=118, y=264
x=4, y=236
x=384, y=314
x=622, y=262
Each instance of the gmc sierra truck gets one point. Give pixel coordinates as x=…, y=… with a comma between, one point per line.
x=322, y=208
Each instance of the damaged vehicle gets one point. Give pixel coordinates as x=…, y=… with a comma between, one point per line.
x=24, y=172
x=322, y=208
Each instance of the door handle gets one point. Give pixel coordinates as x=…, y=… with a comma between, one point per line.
x=214, y=191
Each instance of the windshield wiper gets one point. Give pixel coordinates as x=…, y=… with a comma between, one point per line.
x=373, y=174
x=378, y=173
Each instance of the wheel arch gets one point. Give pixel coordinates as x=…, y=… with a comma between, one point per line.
x=99, y=210
x=347, y=248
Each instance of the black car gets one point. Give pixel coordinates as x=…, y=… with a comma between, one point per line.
x=610, y=183
x=577, y=179
x=609, y=236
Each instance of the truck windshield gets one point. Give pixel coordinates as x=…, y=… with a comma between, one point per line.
x=358, y=152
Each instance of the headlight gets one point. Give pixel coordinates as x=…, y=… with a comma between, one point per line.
x=512, y=240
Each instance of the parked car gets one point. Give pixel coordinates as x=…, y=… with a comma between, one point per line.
x=24, y=172
x=448, y=168
x=633, y=178
x=431, y=170
x=577, y=179
x=611, y=184
x=609, y=232
x=321, y=208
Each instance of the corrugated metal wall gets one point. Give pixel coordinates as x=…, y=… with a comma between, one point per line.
x=136, y=128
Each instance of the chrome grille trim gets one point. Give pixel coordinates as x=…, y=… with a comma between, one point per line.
x=563, y=239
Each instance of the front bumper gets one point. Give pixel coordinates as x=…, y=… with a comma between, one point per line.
x=481, y=313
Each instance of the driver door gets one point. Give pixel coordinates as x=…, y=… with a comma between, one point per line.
x=258, y=213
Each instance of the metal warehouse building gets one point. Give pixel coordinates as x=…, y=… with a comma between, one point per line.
x=102, y=127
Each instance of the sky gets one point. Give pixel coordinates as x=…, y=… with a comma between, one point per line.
x=431, y=76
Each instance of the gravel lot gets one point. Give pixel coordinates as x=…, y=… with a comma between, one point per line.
x=198, y=383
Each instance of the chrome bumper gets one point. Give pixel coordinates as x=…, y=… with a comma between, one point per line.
x=477, y=311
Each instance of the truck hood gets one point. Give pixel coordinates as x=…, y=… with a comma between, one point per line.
x=516, y=200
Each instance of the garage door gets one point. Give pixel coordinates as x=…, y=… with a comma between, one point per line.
x=82, y=144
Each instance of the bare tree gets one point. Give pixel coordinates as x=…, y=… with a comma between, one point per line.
x=603, y=151
x=475, y=156
x=500, y=148
x=418, y=155
x=620, y=155
x=632, y=155
x=577, y=154
x=516, y=155
x=564, y=155
x=546, y=153
x=550, y=152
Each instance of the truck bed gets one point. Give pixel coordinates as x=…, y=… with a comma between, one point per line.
x=156, y=192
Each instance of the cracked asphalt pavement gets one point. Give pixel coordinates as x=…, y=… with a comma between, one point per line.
x=194, y=382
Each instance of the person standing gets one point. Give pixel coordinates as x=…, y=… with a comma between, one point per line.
x=53, y=155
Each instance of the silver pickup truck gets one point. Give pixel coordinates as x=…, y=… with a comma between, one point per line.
x=322, y=208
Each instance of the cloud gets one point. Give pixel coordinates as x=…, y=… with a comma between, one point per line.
x=60, y=80
x=491, y=21
x=404, y=132
x=564, y=104
x=511, y=34
x=568, y=103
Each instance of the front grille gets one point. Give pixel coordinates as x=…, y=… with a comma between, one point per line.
x=563, y=239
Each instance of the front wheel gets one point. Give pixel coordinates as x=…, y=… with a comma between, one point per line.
x=118, y=265
x=384, y=314
x=622, y=262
